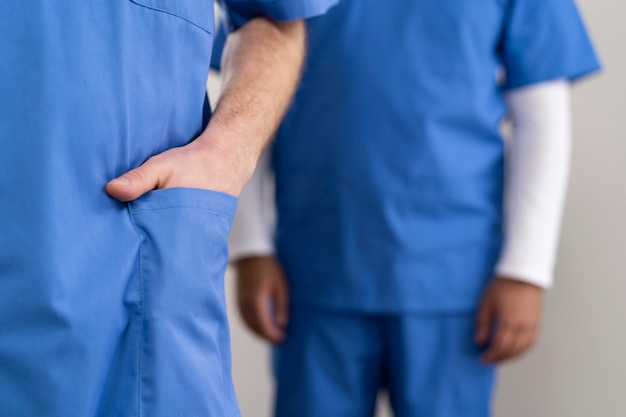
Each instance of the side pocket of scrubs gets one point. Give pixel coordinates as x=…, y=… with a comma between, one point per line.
x=184, y=360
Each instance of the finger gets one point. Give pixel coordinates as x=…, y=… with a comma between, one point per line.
x=281, y=307
x=520, y=337
x=268, y=328
x=484, y=321
x=253, y=317
x=528, y=340
x=501, y=344
x=135, y=183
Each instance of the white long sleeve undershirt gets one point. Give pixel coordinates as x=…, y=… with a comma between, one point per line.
x=537, y=171
x=252, y=233
x=536, y=180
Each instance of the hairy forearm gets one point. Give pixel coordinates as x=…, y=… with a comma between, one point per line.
x=260, y=70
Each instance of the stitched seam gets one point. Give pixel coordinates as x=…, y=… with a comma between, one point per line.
x=217, y=213
x=173, y=14
x=142, y=316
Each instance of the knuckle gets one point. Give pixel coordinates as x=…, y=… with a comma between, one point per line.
x=150, y=170
x=520, y=327
x=136, y=175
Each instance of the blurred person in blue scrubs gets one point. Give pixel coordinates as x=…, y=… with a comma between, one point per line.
x=112, y=304
x=400, y=251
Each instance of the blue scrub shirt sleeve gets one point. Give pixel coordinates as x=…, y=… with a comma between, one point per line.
x=545, y=40
x=238, y=12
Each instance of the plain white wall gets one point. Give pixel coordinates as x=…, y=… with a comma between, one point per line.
x=579, y=368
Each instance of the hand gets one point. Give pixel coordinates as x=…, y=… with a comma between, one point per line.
x=263, y=296
x=508, y=319
x=204, y=163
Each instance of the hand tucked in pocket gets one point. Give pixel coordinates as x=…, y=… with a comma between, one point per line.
x=205, y=163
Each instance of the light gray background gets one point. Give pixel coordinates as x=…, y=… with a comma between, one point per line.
x=579, y=367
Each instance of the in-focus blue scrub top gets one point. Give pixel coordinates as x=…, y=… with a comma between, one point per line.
x=110, y=309
x=389, y=166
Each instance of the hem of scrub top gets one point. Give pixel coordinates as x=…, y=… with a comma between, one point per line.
x=384, y=312
x=282, y=10
x=572, y=77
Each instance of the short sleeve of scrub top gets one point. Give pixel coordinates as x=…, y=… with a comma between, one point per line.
x=240, y=11
x=544, y=40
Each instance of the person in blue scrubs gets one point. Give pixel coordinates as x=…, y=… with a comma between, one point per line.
x=111, y=298
x=389, y=188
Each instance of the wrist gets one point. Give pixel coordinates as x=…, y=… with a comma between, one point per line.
x=517, y=282
x=534, y=273
x=235, y=157
x=240, y=147
x=248, y=260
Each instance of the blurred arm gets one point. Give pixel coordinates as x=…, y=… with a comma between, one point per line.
x=509, y=315
x=254, y=223
x=262, y=289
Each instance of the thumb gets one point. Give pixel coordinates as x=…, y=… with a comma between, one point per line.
x=134, y=183
x=484, y=321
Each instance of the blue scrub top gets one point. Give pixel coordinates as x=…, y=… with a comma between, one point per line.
x=389, y=165
x=106, y=308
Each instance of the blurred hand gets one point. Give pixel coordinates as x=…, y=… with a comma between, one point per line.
x=263, y=296
x=204, y=164
x=508, y=319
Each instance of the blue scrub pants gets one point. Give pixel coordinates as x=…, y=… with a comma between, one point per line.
x=333, y=364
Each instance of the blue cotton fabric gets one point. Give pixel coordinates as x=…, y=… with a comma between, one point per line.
x=333, y=363
x=389, y=165
x=110, y=309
